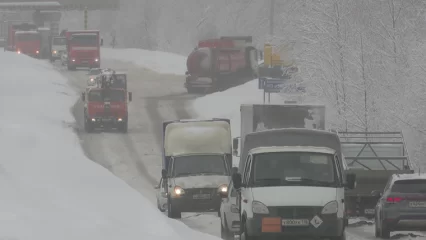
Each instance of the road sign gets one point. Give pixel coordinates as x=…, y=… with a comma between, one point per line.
x=271, y=85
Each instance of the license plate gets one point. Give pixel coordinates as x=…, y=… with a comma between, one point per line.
x=201, y=196
x=369, y=211
x=107, y=120
x=85, y=62
x=295, y=222
x=417, y=204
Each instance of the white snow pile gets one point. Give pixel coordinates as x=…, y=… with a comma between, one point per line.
x=49, y=189
x=161, y=62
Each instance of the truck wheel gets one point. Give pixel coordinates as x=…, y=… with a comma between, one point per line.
x=123, y=127
x=172, y=212
x=225, y=234
x=88, y=126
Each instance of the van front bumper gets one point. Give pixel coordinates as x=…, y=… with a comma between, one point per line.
x=331, y=226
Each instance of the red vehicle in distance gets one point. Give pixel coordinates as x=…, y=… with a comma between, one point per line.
x=83, y=49
x=28, y=42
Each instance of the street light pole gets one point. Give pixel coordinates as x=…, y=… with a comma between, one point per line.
x=271, y=18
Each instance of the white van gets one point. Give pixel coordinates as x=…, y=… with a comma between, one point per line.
x=292, y=191
x=196, y=167
x=59, y=47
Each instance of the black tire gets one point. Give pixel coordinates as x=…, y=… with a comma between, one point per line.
x=245, y=235
x=172, y=212
x=123, y=127
x=191, y=90
x=384, y=231
x=342, y=237
x=224, y=232
x=376, y=228
x=159, y=207
x=88, y=126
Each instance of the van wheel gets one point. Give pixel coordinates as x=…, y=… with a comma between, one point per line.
x=384, y=231
x=123, y=127
x=88, y=126
x=224, y=232
x=342, y=237
x=172, y=212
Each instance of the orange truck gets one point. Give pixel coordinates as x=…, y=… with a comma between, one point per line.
x=83, y=49
x=218, y=64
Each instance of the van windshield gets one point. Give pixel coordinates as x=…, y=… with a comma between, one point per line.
x=293, y=168
x=193, y=165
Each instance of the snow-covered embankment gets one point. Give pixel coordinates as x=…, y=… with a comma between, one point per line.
x=49, y=189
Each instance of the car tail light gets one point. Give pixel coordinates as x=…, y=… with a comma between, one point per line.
x=393, y=199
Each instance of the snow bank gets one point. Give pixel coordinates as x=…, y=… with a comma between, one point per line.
x=49, y=189
x=161, y=62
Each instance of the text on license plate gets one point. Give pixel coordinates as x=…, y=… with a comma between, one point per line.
x=201, y=196
x=417, y=204
x=369, y=211
x=295, y=222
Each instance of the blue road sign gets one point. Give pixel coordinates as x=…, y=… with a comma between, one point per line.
x=271, y=85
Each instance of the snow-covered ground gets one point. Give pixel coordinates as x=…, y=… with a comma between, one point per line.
x=49, y=189
x=161, y=62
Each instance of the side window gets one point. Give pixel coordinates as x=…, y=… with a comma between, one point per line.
x=170, y=167
x=245, y=168
x=338, y=168
x=248, y=170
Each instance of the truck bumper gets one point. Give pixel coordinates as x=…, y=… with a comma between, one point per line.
x=85, y=63
x=107, y=121
x=330, y=227
x=187, y=204
x=202, y=82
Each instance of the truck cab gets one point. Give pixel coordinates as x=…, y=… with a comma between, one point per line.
x=292, y=191
x=28, y=42
x=59, y=46
x=83, y=48
x=106, y=107
x=197, y=165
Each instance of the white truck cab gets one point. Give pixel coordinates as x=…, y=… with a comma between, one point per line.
x=292, y=191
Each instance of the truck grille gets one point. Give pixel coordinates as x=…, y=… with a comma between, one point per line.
x=295, y=212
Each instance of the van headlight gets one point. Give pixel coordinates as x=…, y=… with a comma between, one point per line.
x=259, y=208
x=223, y=188
x=178, y=191
x=330, y=208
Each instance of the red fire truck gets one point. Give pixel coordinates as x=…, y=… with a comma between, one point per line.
x=83, y=49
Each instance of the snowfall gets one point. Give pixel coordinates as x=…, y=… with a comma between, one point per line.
x=50, y=189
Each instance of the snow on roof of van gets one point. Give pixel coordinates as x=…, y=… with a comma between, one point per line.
x=197, y=138
x=84, y=34
x=292, y=149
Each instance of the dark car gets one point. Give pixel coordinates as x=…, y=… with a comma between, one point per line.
x=402, y=206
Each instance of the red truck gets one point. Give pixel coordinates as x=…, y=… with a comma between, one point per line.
x=83, y=49
x=218, y=64
x=23, y=38
x=106, y=107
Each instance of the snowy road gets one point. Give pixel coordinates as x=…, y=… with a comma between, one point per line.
x=136, y=157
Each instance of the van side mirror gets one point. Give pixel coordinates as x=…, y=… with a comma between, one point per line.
x=164, y=173
x=236, y=180
x=83, y=97
x=234, y=170
x=351, y=180
x=235, y=145
x=130, y=96
x=102, y=42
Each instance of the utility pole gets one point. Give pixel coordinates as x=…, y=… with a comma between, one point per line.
x=85, y=18
x=271, y=18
